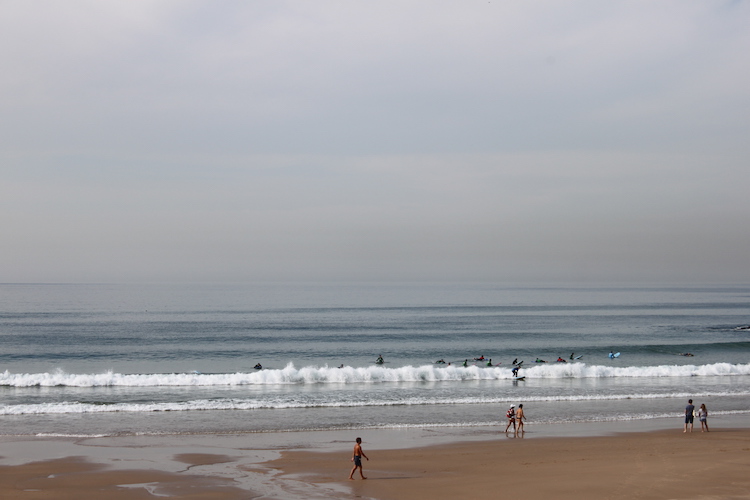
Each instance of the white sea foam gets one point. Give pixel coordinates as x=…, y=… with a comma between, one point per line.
x=278, y=404
x=374, y=374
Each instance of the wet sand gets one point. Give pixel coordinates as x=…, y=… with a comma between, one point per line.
x=654, y=465
x=662, y=464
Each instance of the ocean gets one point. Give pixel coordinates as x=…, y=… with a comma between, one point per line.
x=113, y=360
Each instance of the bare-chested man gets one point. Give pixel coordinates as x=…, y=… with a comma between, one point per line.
x=357, y=459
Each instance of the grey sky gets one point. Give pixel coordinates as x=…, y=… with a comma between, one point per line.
x=352, y=140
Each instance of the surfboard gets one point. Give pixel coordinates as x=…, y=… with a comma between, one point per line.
x=519, y=378
x=613, y=356
x=579, y=357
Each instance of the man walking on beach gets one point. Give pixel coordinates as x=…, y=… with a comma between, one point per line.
x=357, y=459
x=520, y=417
x=689, y=409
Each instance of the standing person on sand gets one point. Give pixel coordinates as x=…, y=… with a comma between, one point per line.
x=520, y=417
x=357, y=459
x=689, y=409
x=703, y=417
x=511, y=414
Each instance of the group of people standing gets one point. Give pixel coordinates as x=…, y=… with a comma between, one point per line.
x=515, y=419
x=690, y=414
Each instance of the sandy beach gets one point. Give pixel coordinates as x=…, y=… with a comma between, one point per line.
x=655, y=465
x=663, y=464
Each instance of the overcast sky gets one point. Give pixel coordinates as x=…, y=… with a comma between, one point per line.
x=539, y=141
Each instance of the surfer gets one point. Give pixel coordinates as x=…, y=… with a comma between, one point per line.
x=572, y=355
x=440, y=362
x=258, y=366
x=515, y=370
x=480, y=358
x=380, y=360
x=539, y=361
x=611, y=355
x=515, y=361
x=466, y=362
x=489, y=363
x=560, y=360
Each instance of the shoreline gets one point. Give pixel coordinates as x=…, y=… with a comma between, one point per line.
x=564, y=460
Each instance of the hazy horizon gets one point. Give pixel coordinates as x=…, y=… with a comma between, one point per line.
x=544, y=142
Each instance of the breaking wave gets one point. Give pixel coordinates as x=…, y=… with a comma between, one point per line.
x=372, y=374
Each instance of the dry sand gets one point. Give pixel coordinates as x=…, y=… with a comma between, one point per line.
x=648, y=465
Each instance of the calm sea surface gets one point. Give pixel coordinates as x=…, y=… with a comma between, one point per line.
x=139, y=359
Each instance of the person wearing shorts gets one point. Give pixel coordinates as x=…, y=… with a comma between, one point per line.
x=703, y=417
x=689, y=409
x=357, y=459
